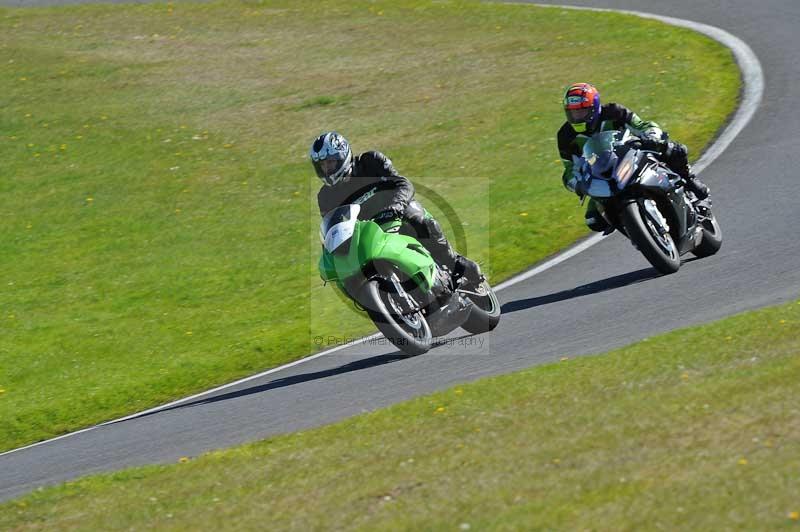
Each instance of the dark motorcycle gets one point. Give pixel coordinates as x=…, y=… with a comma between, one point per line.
x=642, y=198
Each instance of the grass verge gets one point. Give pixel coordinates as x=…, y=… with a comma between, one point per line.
x=157, y=207
x=698, y=429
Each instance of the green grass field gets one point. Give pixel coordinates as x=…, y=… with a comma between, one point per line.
x=157, y=213
x=698, y=429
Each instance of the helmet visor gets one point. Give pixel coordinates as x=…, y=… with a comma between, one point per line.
x=328, y=166
x=576, y=116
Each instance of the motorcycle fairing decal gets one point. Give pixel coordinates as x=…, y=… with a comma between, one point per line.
x=364, y=197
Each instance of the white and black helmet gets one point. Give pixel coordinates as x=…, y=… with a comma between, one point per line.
x=332, y=158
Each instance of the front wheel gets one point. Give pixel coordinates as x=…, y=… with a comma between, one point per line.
x=409, y=332
x=485, y=313
x=651, y=238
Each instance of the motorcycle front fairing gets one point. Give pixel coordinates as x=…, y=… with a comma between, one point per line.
x=653, y=177
x=664, y=186
x=405, y=252
x=337, y=229
x=366, y=245
x=595, y=187
x=599, y=165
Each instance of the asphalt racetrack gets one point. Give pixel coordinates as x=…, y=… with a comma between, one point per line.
x=605, y=296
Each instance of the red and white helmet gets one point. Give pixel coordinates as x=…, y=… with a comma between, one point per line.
x=582, y=106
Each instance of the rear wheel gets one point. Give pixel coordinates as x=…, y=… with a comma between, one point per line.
x=408, y=331
x=651, y=238
x=712, y=236
x=485, y=313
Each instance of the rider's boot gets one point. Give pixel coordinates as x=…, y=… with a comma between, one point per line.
x=595, y=221
x=430, y=234
x=468, y=269
x=699, y=188
x=677, y=157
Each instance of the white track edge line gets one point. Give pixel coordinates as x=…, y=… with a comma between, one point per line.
x=749, y=66
x=753, y=90
x=558, y=259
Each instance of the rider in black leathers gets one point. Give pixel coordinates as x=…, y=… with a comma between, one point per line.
x=371, y=181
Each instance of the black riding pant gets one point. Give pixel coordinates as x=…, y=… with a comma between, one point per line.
x=419, y=223
x=674, y=154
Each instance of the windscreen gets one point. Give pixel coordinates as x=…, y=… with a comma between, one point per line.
x=338, y=215
x=338, y=225
x=598, y=153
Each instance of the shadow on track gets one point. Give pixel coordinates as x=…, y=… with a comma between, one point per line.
x=610, y=283
x=357, y=365
x=285, y=381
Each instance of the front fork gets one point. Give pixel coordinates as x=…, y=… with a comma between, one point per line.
x=388, y=282
x=404, y=299
x=655, y=216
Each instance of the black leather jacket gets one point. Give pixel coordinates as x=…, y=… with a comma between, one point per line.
x=375, y=185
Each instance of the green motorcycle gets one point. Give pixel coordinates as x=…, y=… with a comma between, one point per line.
x=394, y=279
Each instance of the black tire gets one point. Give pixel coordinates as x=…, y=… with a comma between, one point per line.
x=712, y=237
x=659, y=250
x=485, y=313
x=395, y=327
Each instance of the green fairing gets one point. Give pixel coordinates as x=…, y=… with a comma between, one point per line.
x=369, y=243
x=327, y=270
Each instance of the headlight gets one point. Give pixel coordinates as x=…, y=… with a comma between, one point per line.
x=625, y=169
